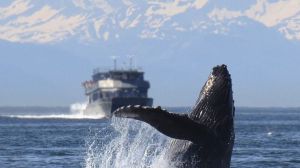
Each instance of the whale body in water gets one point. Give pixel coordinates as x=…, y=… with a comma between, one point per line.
x=203, y=138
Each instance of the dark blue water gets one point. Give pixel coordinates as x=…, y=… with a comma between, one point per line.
x=264, y=138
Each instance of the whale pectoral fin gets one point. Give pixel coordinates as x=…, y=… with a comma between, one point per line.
x=171, y=124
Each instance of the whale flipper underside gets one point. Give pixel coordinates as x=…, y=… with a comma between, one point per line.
x=178, y=126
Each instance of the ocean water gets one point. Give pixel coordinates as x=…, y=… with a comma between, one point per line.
x=55, y=137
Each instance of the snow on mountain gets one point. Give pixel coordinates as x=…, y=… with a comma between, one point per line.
x=282, y=15
x=91, y=20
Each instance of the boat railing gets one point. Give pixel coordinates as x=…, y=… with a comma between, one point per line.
x=106, y=69
x=101, y=69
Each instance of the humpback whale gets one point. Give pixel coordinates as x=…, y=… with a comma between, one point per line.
x=203, y=138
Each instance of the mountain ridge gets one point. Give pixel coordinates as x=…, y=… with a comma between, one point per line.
x=93, y=20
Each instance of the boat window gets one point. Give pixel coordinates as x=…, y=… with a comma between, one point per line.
x=95, y=96
x=104, y=95
x=124, y=76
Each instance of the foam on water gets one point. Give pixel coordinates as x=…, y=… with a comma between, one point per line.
x=127, y=143
x=76, y=112
x=56, y=116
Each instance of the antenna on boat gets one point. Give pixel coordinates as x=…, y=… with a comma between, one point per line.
x=130, y=61
x=115, y=62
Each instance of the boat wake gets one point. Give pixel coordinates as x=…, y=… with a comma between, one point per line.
x=126, y=143
x=55, y=116
x=76, y=111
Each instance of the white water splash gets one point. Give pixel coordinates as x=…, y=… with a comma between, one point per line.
x=78, y=108
x=127, y=143
x=54, y=116
x=76, y=112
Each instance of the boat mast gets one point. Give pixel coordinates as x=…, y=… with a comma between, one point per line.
x=115, y=62
x=130, y=61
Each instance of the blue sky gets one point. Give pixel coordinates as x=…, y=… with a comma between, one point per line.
x=46, y=68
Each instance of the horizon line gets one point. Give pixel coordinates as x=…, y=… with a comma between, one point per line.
x=60, y=106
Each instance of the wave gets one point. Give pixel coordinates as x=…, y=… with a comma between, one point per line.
x=56, y=116
x=76, y=111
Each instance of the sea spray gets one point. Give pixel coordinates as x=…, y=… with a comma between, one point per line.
x=75, y=111
x=78, y=108
x=126, y=143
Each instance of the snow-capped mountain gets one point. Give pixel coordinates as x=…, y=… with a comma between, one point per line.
x=92, y=20
x=49, y=47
